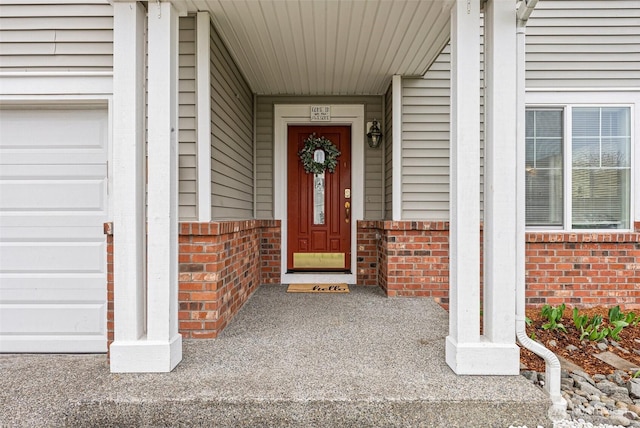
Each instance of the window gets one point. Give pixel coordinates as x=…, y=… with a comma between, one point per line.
x=584, y=183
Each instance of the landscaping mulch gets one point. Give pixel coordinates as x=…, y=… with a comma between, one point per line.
x=628, y=347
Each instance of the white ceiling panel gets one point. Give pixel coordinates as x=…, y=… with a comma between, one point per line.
x=323, y=47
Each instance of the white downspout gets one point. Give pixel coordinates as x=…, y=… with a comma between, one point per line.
x=558, y=409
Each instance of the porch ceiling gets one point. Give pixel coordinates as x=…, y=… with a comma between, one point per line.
x=322, y=47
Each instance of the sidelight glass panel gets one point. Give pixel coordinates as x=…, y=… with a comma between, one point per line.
x=318, y=198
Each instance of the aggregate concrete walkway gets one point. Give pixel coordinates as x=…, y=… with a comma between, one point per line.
x=308, y=360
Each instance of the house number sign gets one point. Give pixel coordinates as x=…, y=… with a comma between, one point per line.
x=320, y=113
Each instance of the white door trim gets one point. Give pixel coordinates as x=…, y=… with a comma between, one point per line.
x=299, y=114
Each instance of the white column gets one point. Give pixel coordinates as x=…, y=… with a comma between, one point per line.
x=396, y=157
x=161, y=349
x=465, y=353
x=128, y=178
x=203, y=94
x=500, y=207
x=162, y=247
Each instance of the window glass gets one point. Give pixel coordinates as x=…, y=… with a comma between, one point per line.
x=601, y=173
x=544, y=184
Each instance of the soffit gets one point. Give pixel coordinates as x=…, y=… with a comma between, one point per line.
x=318, y=47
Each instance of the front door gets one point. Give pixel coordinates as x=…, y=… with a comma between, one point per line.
x=319, y=202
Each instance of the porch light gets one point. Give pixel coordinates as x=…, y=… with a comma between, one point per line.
x=374, y=135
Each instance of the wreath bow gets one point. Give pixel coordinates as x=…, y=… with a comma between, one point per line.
x=331, y=153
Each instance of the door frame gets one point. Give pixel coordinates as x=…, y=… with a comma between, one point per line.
x=299, y=114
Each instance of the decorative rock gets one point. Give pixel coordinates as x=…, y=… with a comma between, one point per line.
x=613, y=343
x=633, y=386
x=606, y=386
x=587, y=387
x=599, y=377
x=530, y=375
x=602, y=346
x=571, y=348
x=552, y=344
x=634, y=408
x=619, y=420
x=619, y=377
x=584, y=376
x=620, y=393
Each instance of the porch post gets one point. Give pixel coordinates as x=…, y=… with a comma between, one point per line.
x=464, y=242
x=128, y=181
x=162, y=257
x=500, y=207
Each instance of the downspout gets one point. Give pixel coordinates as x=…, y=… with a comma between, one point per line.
x=558, y=409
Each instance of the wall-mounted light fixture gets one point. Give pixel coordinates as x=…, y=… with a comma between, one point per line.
x=374, y=135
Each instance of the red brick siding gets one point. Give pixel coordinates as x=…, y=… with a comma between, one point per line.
x=108, y=231
x=221, y=264
x=584, y=269
x=270, y=253
x=367, y=257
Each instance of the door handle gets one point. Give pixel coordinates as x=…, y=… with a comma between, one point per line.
x=347, y=211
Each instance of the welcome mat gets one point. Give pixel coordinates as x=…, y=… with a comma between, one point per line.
x=318, y=288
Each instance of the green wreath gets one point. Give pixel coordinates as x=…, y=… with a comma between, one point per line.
x=331, y=153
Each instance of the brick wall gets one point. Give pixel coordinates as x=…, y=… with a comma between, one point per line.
x=367, y=257
x=221, y=264
x=584, y=269
x=108, y=231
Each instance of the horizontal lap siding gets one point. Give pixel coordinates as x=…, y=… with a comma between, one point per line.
x=232, y=162
x=264, y=145
x=64, y=36
x=187, y=174
x=584, y=44
x=425, y=143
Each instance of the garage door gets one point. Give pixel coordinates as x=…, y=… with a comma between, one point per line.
x=53, y=203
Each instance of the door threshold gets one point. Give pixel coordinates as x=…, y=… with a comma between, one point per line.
x=318, y=277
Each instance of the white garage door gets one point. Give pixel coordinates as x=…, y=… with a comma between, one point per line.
x=53, y=203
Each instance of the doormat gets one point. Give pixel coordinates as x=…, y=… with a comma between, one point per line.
x=318, y=288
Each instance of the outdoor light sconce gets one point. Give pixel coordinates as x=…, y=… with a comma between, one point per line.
x=374, y=135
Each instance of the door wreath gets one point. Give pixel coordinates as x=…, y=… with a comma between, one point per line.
x=318, y=164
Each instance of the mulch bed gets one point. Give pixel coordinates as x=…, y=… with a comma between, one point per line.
x=584, y=356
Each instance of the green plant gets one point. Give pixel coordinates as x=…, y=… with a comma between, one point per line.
x=553, y=315
x=636, y=374
x=580, y=321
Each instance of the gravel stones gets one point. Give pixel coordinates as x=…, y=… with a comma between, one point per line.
x=605, y=400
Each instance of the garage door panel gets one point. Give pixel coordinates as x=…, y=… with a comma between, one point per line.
x=52, y=195
x=51, y=288
x=53, y=204
x=55, y=224
x=53, y=129
x=75, y=257
x=52, y=319
x=54, y=343
x=34, y=171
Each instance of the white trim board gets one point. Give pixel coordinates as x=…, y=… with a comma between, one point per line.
x=299, y=114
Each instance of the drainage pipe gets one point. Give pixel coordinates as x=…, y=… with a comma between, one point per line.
x=558, y=409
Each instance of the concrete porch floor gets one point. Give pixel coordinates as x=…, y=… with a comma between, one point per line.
x=357, y=359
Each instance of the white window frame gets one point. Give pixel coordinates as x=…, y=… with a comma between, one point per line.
x=567, y=101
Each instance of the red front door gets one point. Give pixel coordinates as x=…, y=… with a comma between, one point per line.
x=319, y=205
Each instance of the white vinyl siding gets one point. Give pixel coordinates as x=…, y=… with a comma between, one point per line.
x=187, y=121
x=231, y=137
x=62, y=36
x=584, y=44
x=264, y=158
x=425, y=143
x=579, y=44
